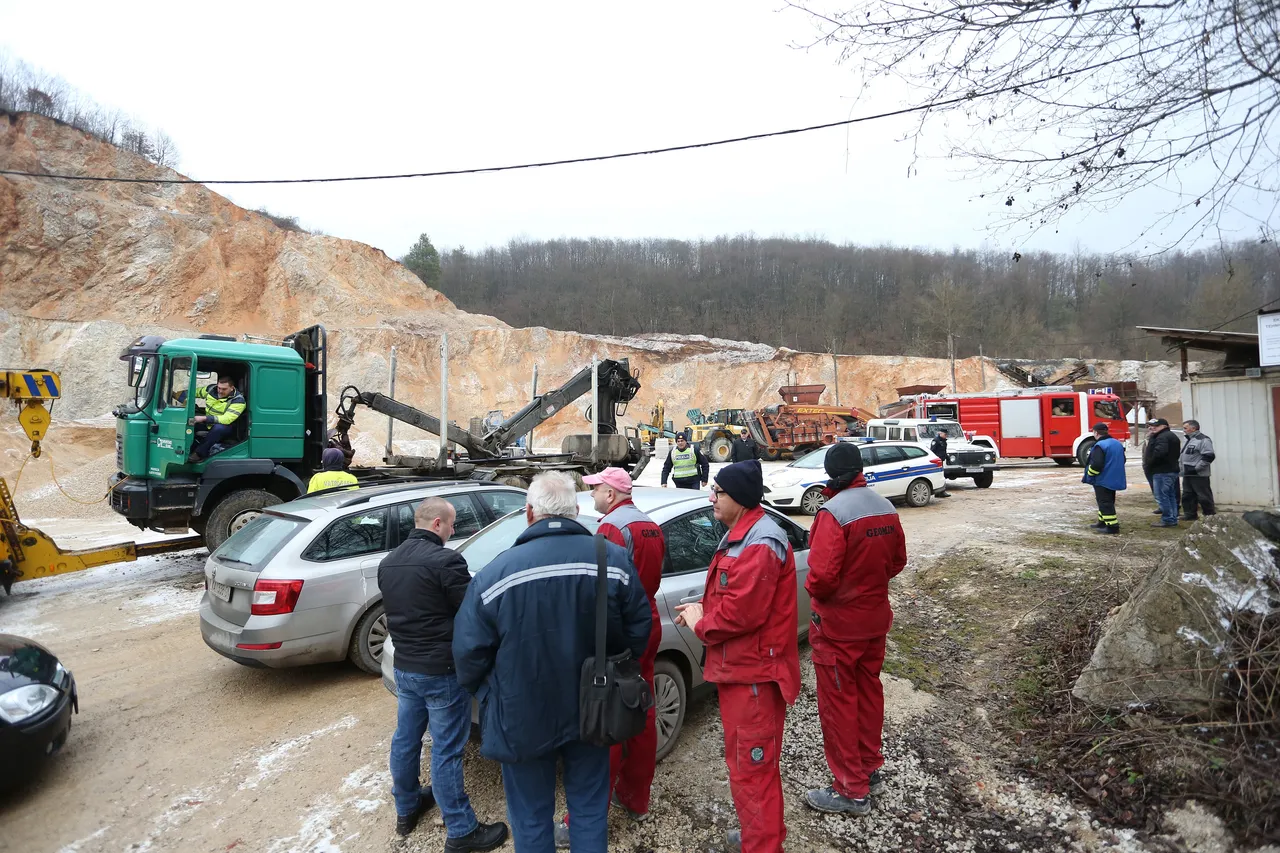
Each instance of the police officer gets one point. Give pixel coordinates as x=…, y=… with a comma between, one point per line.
x=747, y=623
x=686, y=465
x=1105, y=472
x=939, y=448
x=331, y=476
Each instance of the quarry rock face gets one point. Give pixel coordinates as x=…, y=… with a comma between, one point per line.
x=87, y=267
x=1167, y=644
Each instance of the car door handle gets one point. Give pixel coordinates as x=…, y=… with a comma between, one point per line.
x=1053, y=432
x=690, y=599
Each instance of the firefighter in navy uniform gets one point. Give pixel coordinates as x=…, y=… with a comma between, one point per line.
x=1105, y=472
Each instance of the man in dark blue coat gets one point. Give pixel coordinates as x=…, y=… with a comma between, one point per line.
x=525, y=628
x=1105, y=472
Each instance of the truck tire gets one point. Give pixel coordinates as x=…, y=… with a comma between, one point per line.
x=1083, y=451
x=770, y=454
x=812, y=500
x=368, y=639
x=235, y=510
x=1065, y=461
x=984, y=480
x=919, y=493
x=721, y=449
x=670, y=699
x=512, y=480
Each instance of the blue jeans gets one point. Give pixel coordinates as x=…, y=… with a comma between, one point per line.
x=530, y=787
x=438, y=704
x=1166, y=488
x=216, y=433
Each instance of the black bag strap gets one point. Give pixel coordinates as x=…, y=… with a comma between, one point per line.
x=602, y=610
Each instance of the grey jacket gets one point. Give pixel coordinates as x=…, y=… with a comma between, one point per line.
x=1196, y=456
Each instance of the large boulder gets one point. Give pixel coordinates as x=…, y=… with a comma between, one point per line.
x=1167, y=644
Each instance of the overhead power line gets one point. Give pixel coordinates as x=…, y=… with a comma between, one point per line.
x=973, y=96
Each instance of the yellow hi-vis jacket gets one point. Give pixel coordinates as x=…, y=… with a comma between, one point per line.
x=224, y=410
x=331, y=480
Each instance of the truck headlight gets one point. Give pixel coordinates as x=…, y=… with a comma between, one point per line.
x=951, y=458
x=24, y=702
x=990, y=458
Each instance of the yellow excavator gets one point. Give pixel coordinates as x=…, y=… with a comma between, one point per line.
x=27, y=553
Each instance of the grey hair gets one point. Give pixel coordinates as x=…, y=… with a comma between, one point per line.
x=1194, y=424
x=431, y=509
x=553, y=493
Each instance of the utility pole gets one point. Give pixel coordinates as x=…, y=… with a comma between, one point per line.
x=951, y=354
x=982, y=365
x=533, y=395
x=835, y=371
x=444, y=400
x=391, y=392
x=595, y=409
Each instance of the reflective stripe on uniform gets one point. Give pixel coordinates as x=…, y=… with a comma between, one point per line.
x=331, y=480
x=684, y=464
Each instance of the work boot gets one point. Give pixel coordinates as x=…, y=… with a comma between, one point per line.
x=407, y=823
x=1190, y=518
x=943, y=495
x=1157, y=512
x=1162, y=524
x=562, y=834
x=876, y=781
x=1111, y=529
x=829, y=800
x=638, y=817
x=486, y=836
x=1097, y=525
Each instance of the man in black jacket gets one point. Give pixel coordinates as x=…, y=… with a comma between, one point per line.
x=422, y=584
x=744, y=448
x=1160, y=464
x=939, y=448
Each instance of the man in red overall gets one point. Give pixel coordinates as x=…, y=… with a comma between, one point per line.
x=747, y=622
x=856, y=545
x=631, y=765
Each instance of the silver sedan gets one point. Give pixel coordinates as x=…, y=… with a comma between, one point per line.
x=692, y=534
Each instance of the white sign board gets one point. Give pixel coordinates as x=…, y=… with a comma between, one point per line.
x=1269, y=340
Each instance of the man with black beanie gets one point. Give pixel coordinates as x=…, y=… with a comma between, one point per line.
x=747, y=622
x=856, y=545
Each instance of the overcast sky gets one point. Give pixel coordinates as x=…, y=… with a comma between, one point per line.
x=269, y=89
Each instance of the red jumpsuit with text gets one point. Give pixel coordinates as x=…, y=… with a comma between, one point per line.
x=856, y=545
x=749, y=630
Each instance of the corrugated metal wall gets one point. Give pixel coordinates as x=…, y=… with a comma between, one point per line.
x=1237, y=415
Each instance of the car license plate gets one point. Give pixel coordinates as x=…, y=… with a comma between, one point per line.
x=220, y=591
x=973, y=470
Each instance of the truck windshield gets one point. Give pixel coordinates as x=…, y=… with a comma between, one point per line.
x=930, y=430
x=142, y=376
x=1106, y=410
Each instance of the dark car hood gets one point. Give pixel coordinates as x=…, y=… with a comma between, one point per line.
x=24, y=662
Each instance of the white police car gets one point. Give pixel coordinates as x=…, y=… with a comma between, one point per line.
x=899, y=470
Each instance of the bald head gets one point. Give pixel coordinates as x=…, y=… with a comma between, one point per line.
x=436, y=515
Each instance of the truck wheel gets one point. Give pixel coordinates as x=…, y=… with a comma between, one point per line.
x=1083, y=451
x=670, y=698
x=368, y=639
x=770, y=454
x=919, y=493
x=234, y=511
x=812, y=500
x=1065, y=461
x=721, y=449
x=512, y=480
x=984, y=480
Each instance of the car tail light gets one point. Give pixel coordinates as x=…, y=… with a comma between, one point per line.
x=258, y=647
x=272, y=598
x=936, y=461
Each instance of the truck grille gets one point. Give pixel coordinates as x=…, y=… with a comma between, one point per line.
x=119, y=453
x=971, y=457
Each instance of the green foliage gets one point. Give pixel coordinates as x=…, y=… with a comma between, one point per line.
x=424, y=261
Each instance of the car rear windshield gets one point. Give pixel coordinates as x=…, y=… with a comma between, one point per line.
x=258, y=540
x=481, y=549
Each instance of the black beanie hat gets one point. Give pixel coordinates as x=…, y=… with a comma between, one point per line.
x=843, y=458
x=743, y=481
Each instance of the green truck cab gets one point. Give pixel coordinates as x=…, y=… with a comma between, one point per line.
x=274, y=449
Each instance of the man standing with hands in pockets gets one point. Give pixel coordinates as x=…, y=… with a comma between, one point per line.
x=747, y=622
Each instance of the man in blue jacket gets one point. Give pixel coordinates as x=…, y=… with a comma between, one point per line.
x=1105, y=472
x=525, y=628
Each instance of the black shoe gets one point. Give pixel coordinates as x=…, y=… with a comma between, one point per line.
x=1190, y=518
x=877, y=783
x=1157, y=512
x=486, y=836
x=1105, y=529
x=1097, y=525
x=1162, y=524
x=407, y=823
x=943, y=495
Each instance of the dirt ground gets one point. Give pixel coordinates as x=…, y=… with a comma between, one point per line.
x=178, y=749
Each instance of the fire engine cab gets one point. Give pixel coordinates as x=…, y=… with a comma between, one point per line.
x=1031, y=423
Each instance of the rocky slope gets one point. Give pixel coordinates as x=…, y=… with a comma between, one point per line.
x=86, y=267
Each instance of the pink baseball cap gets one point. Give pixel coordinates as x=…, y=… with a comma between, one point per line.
x=614, y=478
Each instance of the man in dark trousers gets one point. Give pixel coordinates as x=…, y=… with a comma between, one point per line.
x=939, y=448
x=524, y=630
x=856, y=546
x=744, y=448
x=632, y=764
x=686, y=465
x=423, y=584
x=1105, y=472
x=747, y=624
x=1196, y=460
x=1160, y=463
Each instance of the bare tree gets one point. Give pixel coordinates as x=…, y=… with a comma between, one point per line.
x=1074, y=102
x=164, y=152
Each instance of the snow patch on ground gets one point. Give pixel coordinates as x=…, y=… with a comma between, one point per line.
x=322, y=824
x=274, y=760
x=165, y=604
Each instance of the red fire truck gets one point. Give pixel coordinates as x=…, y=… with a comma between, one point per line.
x=1027, y=423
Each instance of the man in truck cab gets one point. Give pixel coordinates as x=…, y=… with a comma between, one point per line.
x=223, y=405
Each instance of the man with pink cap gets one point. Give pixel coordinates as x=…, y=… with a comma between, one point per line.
x=631, y=765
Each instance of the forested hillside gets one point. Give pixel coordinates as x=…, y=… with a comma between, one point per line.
x=815, y=295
